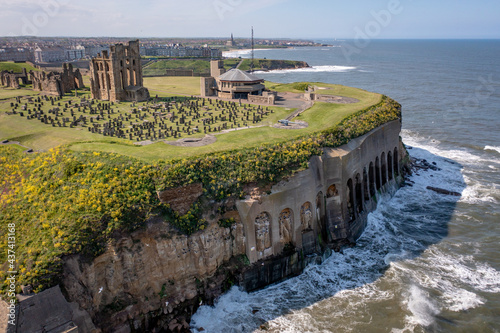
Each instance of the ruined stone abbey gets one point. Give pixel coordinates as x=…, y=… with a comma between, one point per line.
x=117, y=76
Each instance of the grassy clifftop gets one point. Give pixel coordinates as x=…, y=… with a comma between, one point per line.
x=63, y=202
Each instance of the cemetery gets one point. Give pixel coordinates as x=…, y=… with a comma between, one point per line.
x=161, y=118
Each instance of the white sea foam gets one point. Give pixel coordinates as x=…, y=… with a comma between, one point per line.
x=244, y=53
x=421, y=306
x=461, y=299
x=237, y=53
x=314, y=69
x=497, y=149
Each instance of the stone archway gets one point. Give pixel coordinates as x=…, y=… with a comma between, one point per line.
x=366, y=191
x=383, y=162
x=359, y=194
x=350, y=200
x=263, y=231
x=389, y=165
x=396, y=162
x=377, y=173
x=371, y=173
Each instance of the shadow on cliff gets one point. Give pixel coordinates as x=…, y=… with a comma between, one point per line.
x=401, y=228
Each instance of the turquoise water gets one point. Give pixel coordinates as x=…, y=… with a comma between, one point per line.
x=427, y=262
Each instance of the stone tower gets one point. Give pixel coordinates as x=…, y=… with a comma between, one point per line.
x=117, y=76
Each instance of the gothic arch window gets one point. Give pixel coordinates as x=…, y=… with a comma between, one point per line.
x=365, y=185
x=383, y=162
x=389, y=165
x=371, y=173
x=350, y=200
x=396, y=162
x=359, y=194
x=377, y=173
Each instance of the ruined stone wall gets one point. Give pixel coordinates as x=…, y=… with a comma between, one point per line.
x=55, y=83
x=9, y=79
x=50, y=83
x=117, y=75
x=206, y=86
x=268, y=99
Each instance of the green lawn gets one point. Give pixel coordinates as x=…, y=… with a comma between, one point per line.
x=159, y=67
x=6, y=93
x=17, y=67
x=173, y=85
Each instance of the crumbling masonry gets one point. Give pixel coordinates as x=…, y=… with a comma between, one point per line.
x=117, y=76
x=57, y=84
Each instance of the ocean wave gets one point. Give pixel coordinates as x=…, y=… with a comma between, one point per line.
x=314, y=69
x=237, y=53
x=497, y=149
x=244, y=53
x=422, y=307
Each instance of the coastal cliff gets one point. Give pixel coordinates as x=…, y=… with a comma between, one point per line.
x=248, y=217
x=157, y=278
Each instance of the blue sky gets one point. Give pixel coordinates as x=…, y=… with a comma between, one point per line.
x=270, y=18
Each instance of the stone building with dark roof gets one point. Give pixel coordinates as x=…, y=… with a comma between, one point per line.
x=235, y=84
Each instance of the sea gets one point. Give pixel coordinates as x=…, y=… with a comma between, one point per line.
x=427, y=262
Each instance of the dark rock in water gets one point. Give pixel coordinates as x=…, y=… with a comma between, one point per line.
x=5, y=141
x=434, y=163
x=442, y=191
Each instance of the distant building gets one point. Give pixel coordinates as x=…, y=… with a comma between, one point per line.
x=180, y=52
x=93, y=50
x=75, y=53
x=49, y=54
x=117, y=76
x=17, y=54
x=231, y=41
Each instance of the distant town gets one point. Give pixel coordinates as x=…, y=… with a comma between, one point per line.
x=61, y=49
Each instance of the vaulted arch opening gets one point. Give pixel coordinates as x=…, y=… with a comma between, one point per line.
x=389, y=165
x=350, y=199
x=377, y=173
x=383, y=166
x=371, y=173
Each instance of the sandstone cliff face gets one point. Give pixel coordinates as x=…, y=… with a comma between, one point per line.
x=152, y=277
